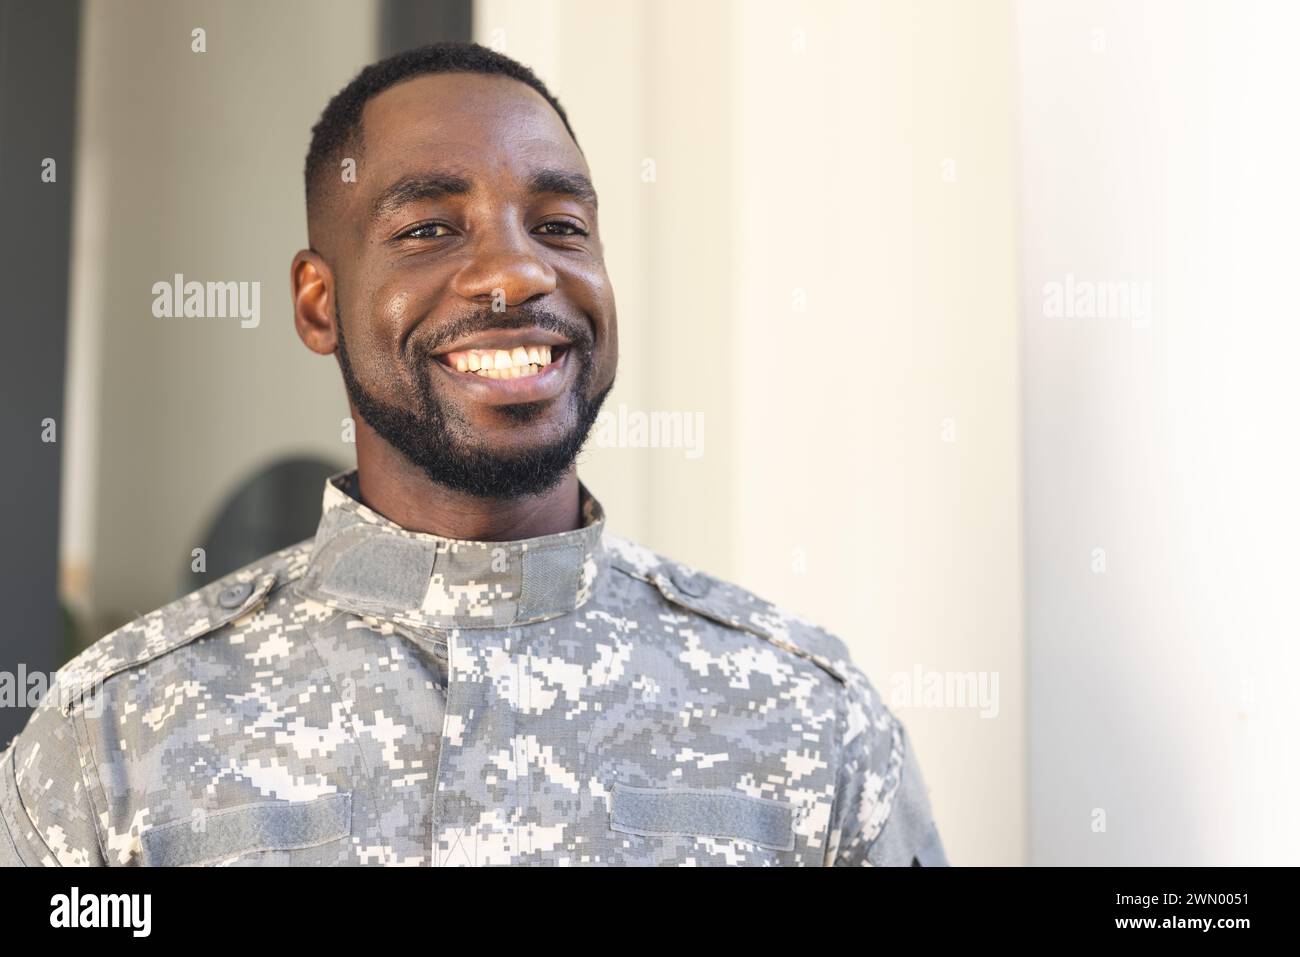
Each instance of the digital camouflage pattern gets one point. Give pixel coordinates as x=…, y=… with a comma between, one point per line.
x=380, y=696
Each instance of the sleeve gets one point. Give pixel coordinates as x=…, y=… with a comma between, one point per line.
x=882, y=814
x=46, y=817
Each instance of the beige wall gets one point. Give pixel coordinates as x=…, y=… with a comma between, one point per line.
x=1161, y=469
x=189, y=163
x=806, y=273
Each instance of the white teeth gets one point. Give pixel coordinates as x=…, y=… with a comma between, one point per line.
x=501, y=363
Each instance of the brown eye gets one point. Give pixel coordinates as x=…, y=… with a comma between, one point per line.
x=562, y=227
x=424, y=231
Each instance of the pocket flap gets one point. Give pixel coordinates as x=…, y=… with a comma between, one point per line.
x=702, y=813
x=250, y=827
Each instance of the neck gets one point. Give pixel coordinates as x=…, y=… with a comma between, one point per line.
x=388, y=483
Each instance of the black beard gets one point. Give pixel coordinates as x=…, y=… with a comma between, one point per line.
x=440, y=443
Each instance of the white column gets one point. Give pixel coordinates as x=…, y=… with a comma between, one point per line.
x=1159, y=152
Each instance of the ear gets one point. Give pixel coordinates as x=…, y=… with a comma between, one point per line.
x=312, y=283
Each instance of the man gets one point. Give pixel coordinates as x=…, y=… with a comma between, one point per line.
x=462, y=667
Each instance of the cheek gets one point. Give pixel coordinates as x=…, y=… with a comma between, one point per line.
x=374, y=325
x=383, y=317
x=391, y=312
x=597, y=301
x=606, y=331
x=394, y=309
x=607, y=355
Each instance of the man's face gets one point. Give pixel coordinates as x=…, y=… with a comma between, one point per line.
x=476, y=321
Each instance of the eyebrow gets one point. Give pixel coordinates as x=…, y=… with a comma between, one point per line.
x=438, y=185
x=412, y=189
x=564, y=183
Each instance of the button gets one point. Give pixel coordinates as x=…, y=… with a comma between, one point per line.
x=235, y=595
x=690, y=584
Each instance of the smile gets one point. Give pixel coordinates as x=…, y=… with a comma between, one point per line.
x=516, y=363
x=509, y=366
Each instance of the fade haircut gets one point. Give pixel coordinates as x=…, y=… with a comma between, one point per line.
x=339, y=128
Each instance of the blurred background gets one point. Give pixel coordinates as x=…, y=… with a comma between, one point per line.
x=980, y=315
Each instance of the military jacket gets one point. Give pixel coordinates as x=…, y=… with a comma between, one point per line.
x=381, y=696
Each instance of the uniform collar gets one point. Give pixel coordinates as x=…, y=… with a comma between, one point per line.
x=365, y=563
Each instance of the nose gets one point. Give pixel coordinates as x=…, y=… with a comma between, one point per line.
x=504, y=270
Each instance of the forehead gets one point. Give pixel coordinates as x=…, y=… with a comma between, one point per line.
x=477, y=123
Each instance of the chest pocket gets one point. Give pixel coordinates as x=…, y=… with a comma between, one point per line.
x=694, y=812
x=250, y=835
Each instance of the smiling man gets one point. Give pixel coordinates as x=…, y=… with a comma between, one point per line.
x=463, y=666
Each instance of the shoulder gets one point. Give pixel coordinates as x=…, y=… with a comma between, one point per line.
x=151, y=637
x=871, y=740
x=50, y=789
x=736, y=607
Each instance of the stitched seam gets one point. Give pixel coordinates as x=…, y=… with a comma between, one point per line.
x=17, y=798
x=627, y=570
x=442, y=758
x=643, y=832
x=358, y=607
x=90, y=779
x=9, y=839
x=356, y=739
x=888, y=801
x=523, y=778
x=841, y=729
x=707, y=792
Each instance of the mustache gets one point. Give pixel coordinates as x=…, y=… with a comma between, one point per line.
x=522, y=317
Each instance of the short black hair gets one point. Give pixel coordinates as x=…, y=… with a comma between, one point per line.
x=340, y=124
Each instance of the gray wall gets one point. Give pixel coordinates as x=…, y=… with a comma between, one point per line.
x=38, y=81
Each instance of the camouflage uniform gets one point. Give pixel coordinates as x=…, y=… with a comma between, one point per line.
x=381, y=696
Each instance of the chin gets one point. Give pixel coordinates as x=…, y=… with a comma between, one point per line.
x=520, y=442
